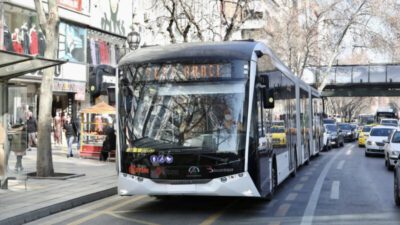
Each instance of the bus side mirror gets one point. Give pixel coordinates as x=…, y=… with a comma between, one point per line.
x=267, y=94
x=268, y=99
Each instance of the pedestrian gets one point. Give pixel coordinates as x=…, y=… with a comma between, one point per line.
x=57, y=128
x=77, y=128
x=109, y=143
x=31, y=127
x=18, y=144
x=69, y=134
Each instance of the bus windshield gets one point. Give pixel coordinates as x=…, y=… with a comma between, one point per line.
x=200, y=116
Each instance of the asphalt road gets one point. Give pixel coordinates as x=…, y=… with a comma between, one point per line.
x=340, y=186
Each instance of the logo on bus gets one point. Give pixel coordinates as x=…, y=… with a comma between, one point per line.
x=194, y=170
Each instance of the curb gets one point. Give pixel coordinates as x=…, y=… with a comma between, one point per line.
x=58, y=207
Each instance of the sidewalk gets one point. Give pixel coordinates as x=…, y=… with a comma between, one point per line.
x=29, y=199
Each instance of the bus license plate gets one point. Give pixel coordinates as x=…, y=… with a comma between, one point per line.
x=189, y=188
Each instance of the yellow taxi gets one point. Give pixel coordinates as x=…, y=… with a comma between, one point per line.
x=278, y=135
x=364, y=134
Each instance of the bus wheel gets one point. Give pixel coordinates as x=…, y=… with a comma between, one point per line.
x=273, y=181
x=295, y=166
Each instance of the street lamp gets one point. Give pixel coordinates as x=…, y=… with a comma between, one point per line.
x=133, y=39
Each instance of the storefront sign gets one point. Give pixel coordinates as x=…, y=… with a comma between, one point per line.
x=112, y=15
x=69, y=86
x=71, y=4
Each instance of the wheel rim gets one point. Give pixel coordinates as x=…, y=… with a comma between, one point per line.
x=273, y=179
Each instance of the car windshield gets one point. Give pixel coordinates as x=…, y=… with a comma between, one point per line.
x=331, y=127
x=396, y=137
x=329, y=121
x=389, y=122
x=277, y=130
x=344, y=126
x=381, y=132
x=366, y=129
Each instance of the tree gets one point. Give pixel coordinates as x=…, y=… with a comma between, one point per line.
x=319, y=33
x=196, y=20
x=49, y=24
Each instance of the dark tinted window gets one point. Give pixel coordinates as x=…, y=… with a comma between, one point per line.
x=366, y=129
x=331, y=127
x=396, y=137
x=329, y=121
x=277, y=130
x=384, y=132
x=344, y=126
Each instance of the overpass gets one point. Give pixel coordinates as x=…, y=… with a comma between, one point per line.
x=357, y=80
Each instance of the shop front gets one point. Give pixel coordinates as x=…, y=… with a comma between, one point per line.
x=13, y=115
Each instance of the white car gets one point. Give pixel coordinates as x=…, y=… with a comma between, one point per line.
x=327, y=138
x=389, y=122
x=375, y=142
x=392, y=150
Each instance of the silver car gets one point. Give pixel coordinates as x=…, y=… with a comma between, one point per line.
x=397, y=182
x=392, y=149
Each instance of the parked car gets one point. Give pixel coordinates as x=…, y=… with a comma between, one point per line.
x=389, y=122
x=397, y=182
x=375, y=142
x=329, y=121
x=327, y=135
x=392, y=149
x=348, y=131
x=337, y=138
x=355, y=128
x=364, y=134
x=278, y=136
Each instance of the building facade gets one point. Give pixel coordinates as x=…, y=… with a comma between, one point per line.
x=91, y=33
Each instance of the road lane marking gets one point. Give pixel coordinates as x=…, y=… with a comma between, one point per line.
x=312, y=202
x=110, y=209
x=305, y=178
x=274, y=223
x=211, y=219
x=335, y=189
x=130, y=219
x=92, y=207
x=298, y=187
x=291, y=197
x=282, y=210
x=348, y=152
x=340, y=165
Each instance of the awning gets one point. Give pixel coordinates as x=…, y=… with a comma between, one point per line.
x=100, y=108
x=14, y=65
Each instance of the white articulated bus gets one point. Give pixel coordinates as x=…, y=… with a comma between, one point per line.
x=197, y=119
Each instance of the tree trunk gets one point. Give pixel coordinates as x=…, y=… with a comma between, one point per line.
x=49, y=24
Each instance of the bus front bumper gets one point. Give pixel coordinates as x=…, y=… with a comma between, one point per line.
x=233, y=185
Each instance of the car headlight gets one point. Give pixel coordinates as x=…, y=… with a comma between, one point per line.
x=370, y=142
x=395, y=153
x=348, y=133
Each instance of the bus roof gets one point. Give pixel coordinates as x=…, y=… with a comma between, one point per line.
x=240, y=50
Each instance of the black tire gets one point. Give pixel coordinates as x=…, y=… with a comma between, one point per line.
x=387, y=164
x=360, y=146
x=366, y=154
x=294, y=172
x=396, y=190
x=273, y=180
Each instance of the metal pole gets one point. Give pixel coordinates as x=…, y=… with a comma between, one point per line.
x=1, y=24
